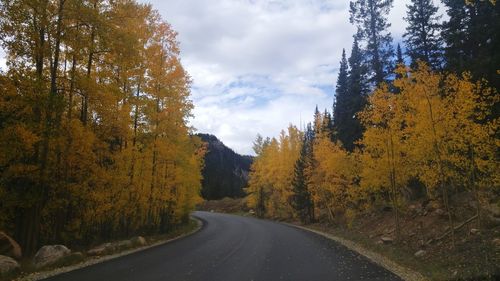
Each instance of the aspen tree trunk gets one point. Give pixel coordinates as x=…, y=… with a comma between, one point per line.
x=59, y=173
x=69, y=141
x=32, y=226
x=136, y=112
x=331, y=215
x=85, y=98
x=70, y=113
x=131, y=172
x=450, y=215
x=26, y=232
x=71, y=87
x=154, y=163
x=441, y=170
x=395, y=191
x=392, y=180
x=474, y=187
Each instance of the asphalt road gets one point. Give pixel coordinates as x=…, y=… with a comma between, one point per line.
x=238, y=248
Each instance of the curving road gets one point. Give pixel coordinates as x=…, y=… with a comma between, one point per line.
x=238, y=248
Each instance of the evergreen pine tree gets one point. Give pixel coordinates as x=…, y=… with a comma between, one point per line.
x=399, y=56
x=341, y=90
x=327, y=125
x=318, y=121
x=454, y=35
x=351, y=90
x=301, y=199
x=340, y=106
x=370, y=18
x=400, y=61
x=358, y=74
x=472, y=39
x=422, y=36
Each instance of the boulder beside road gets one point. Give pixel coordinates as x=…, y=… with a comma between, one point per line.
x=8, y=265
x=50, y=255
x=139, y=241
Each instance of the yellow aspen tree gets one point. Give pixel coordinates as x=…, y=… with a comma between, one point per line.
x=258, y=183
x=431, y=128
x=472, y=142
x=386, y=169
x=91, y=176
x=335, y=175
x=271, y=175
x=290, y=145
x=33, y=46
x=271, y=172
x=448, y=115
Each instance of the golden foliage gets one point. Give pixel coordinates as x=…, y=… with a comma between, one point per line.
x=438, y=129
x=335, y=176
x=271, y=175
x=94, y=140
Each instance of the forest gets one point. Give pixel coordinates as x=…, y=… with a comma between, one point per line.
x=94, y=137
x=419, y=124
x=96, y=142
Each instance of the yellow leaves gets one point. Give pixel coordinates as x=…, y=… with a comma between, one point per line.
x=427, y=130
x=381, y=108
x=272, y=173
x=449, y=121
x=437, y=129
x=385, y=165
x=335, y=174
x=333, y=161
x=112, y=151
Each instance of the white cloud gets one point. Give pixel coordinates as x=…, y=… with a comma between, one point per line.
x=258, y=65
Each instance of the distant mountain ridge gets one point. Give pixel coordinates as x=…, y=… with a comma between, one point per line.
x=226, y=172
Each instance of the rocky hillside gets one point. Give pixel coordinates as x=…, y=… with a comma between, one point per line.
x=225, y=173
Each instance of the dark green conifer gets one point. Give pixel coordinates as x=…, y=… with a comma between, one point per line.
x=472, y=39
x=399, y=56
x=370, y=16
x=301, y=199
x=422, y=37
x=350, y=98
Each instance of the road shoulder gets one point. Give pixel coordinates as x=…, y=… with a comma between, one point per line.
x=401, y=271
x=96, y=260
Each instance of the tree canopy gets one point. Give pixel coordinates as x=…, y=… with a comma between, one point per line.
x=94, y=140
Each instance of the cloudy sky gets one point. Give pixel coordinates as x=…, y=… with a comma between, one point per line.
x=259, y=65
